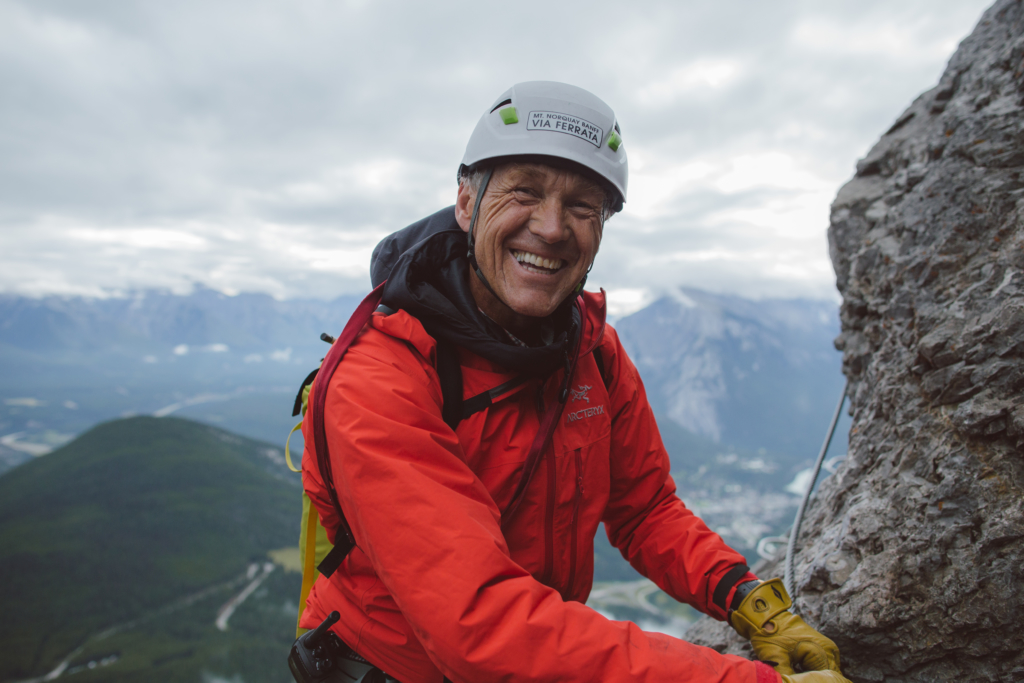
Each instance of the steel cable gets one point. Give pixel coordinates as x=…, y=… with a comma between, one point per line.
x=791, y=546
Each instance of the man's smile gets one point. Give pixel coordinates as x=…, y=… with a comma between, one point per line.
x=537, y=264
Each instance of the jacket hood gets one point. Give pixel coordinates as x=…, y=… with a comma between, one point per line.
x=427, y=275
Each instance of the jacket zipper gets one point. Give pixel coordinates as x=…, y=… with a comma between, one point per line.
x=549, y=535
x=574, y=549
x=563, y=394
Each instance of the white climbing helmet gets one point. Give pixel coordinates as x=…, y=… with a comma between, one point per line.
x=556, y=120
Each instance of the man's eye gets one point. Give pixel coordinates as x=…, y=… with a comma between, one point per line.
x=525, y=192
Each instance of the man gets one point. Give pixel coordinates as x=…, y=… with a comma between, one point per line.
x=473, y=533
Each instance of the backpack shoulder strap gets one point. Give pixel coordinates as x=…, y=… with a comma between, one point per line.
x=449, y=371
x=343, y=539
x=455, y=408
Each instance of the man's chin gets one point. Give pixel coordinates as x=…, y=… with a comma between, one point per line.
x=536, y=309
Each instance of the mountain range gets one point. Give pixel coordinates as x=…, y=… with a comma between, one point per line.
x=753, y=376
x=756, y=375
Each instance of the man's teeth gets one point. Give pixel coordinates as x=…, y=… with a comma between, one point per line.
x=534, y=260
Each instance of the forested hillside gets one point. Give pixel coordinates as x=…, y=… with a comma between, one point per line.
x=126, y=545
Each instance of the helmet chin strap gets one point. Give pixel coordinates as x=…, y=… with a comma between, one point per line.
x=471, y=252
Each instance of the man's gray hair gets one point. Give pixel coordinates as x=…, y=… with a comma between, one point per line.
x=473, y=176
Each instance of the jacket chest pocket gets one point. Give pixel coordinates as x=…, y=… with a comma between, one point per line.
x=583, y=437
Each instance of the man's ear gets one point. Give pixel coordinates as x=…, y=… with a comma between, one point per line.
x=464, y=206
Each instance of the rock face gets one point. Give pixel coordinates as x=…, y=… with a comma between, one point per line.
x=912, y=554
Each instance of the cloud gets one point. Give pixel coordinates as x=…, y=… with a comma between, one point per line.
x=132, y=239
x=267, y=146
x=689, y=80
x=897, y=34
x=281, y=355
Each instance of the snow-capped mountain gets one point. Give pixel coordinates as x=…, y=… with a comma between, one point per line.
x=752, y=374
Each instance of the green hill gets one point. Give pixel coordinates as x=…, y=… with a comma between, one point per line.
x=120, y=548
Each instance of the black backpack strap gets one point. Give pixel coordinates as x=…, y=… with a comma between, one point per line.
x=455, y=409
x=297, y=408
x=335, y=556
x=449, y=371
x=486, y=399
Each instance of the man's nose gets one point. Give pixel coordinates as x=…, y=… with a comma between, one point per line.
x=548, y=222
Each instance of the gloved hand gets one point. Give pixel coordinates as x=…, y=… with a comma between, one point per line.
x=792, y=642
x=815, y=677
x=780, y=637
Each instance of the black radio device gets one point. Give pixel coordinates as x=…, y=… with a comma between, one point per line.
x=314, y=654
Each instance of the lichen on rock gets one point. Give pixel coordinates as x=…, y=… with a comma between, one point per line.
x=911, y=557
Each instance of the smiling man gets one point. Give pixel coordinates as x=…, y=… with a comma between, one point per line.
x=486, y=420
x=537, y=233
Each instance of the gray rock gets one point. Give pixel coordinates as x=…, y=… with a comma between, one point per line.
x=911, y=556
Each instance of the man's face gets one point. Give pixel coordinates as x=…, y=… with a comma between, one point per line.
x=537, y=234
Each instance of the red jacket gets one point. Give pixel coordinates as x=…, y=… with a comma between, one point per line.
x=434, y=587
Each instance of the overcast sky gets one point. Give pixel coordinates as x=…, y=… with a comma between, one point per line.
x=267, y=146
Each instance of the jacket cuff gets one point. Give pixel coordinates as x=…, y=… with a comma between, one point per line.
x=726, y=587
x=766, y=674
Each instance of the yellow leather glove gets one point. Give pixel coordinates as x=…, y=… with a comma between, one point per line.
x=780, y=637
x=815, y=677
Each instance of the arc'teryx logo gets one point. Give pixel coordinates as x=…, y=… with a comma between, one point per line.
x=581, y=393
x=584, y=413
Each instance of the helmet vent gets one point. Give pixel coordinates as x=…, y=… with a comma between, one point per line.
x=499, y=105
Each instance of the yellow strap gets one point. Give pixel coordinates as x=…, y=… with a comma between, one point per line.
x=287, y=453
x=312, y=536
x=309, y=571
